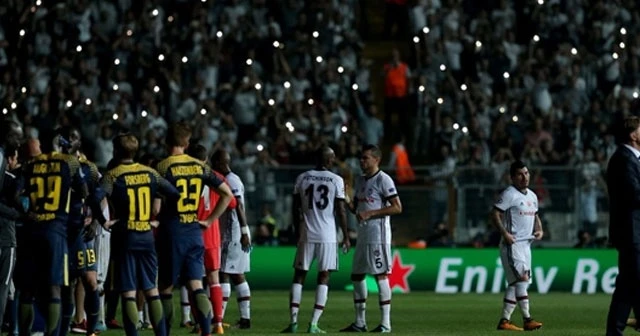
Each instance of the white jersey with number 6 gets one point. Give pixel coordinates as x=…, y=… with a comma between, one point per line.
x=317, y=190
x=373, y=193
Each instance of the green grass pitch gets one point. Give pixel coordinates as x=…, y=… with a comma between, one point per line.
x=422, y=313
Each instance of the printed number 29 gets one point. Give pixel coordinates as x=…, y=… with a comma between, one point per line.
x=323, y=192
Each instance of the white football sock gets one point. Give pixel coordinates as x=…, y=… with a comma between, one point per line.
x=523, y=298
x=321, y=300
x=360, y=302
x=384, y=295
x=186, y=306
x=294, y=304
x=509, y=302
x=226, y=292
x=244, y=300
x=101, y=310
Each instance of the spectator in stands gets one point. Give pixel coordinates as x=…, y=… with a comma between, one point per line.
x=396, y=89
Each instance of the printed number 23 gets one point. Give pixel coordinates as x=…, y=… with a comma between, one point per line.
x=323, y=191
x=190, y=191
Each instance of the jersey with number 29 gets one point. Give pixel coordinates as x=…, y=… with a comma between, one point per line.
x=374, y=193
x=318, y=190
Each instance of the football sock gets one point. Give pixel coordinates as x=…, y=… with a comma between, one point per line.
x=53, y=317
x=145, y=313
x=226, y=292
x=156, y=315
x=101, y=309
x=244, y=300
x=91, y=306
x=129, y=316
x=67, y=310
x=294, y=303
x=523, y=298
x=203, y=310
x=186, y=306
x=360, y=301
x=167, y=307
x=26, y=316
x=215, y=295
x=384, y=295
x=509, y=302
x=321, y=301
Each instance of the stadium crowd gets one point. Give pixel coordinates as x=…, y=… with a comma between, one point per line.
x=269, y=80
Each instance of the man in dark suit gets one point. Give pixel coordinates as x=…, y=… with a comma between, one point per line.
x=623, y=182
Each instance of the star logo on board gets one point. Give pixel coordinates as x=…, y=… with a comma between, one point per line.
x=400, y=274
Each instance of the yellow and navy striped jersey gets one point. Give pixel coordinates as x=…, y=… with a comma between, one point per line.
x=49, y=180
x=188, y=175
x=131, y=189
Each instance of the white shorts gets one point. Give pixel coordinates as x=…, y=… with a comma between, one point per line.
x=326, y=255
x=233, y=260
x=372, y=259
x=516, y=261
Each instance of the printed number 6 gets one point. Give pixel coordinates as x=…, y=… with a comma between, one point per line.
x=378, y=262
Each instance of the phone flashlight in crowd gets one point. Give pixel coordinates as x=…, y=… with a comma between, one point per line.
x=161, y=57
x=310, y=101
x=276, y=44
x=319, y=59
x=574, y=51
x=635, y=95
x=615, y=55
x=515, y=118
x=78, y=48
x=170, y=18
x=87, y=101
x=14, y=105
x=623, y=31
x=258, y=86
x=114, y=116
x=456, y=126
x=425, y=30
x=463, y=87
x=315, y=34
x=440, y=101
x=536, y=38
x=502, y=109
x=249, y=61
x=421, y=88
x=416, y=40
x=156, y=89
x=465, y=130
x=5, y=111
x=203, y=111
x=22, y=32
x=24, y=89
x=478, y=45
x=344, y=129
x=622, y=45
x=289, y=126
x=354, y=86
x=68, y=104
x=38, y=2
x=219, y=34
x=506, y=75
x=185, y=59
x=540, y=2
x=286, y=85
x=260, y=148
x=116, y=61
x=271, y=102
x=340, y=69
x=129, y=32
x=155, y=12
x=443, y=67
x=115, y=87
x=144, y=113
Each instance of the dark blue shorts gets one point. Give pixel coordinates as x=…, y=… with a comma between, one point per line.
x=181, y=260
x=82, y=256
x=134, y=270
x=49, y=259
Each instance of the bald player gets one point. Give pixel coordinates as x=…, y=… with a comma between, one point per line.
x=318, y=199
x=236, y=243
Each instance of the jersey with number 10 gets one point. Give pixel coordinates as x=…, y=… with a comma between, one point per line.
x=132, y=188
x=318, y=190
x=49, y=179
x=188, y=175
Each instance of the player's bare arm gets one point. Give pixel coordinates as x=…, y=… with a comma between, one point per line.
x=341, y=213
x=296, y=215
x=497, y=216
x=225, y=198
x=394, y=208
x=244, y=228
x=537, y=228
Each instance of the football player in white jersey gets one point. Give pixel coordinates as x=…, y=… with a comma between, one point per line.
x=515, y=214
x=236, y=243
x=375, y=199
x=318, y=198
